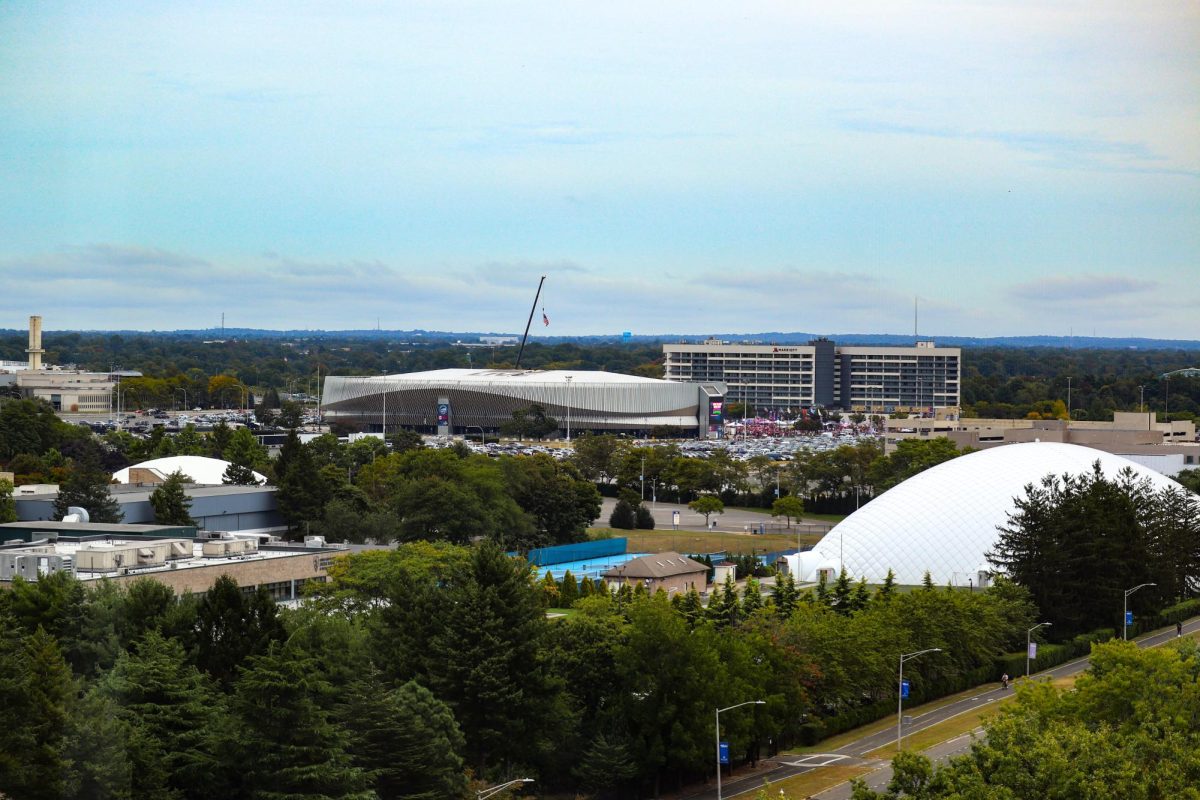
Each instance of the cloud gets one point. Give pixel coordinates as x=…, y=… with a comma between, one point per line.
x=1078, y=289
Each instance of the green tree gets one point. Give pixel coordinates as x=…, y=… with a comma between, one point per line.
x=568, y=592
x=1189, y=479
x=88, y=489
x=623, y=516
x=707, y=505
x=175, y=711
x=785, y=595
x=724, y=608
x=8, y=506
x=887, y=590
x=298, y=752
x=170, y=501
x=406, y=739
x=484, y=659
x=302, y=492
x=245, y=455
x=789, y=506
x=230, y=627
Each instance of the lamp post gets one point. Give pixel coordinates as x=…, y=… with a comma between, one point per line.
x=719, y=710
x=185, y=402
x=900, y=694
x=1125, y=608
x=1028, y=642
x=483, y=794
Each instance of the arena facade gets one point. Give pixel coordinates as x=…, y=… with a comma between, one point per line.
x=460, y=401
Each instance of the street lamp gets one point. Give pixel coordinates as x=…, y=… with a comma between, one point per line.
x=483, y=794
x=1028, y=643
x=900, y=694
x=1125, y=608
x=185, y=402
x=719, y=710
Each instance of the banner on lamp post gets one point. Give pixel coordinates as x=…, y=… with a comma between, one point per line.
x=1033, y=649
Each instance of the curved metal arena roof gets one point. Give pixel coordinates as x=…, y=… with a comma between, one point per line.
x=487, y=398
x=944, y=519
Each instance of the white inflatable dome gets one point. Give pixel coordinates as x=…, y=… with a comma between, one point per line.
x=207, y=471
x=944, y=519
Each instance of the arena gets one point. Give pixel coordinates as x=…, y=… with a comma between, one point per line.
x=462, y=401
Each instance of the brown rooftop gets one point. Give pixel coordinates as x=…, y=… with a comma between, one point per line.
x=657, y=565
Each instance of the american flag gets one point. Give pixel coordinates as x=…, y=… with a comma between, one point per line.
x=545, y=319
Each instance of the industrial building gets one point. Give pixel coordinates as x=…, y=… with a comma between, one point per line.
x=1166, y=447
x=450, y=401
x=768, y=377
x=186, y=560
x=66, y=390
x=244, y=509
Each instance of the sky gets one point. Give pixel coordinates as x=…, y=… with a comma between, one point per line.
x=671, y=167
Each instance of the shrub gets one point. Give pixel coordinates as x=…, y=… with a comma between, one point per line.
x=623, y=516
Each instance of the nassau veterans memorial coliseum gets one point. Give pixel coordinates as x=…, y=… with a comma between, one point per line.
x=460, y=401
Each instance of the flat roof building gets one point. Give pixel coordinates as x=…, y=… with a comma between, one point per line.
x=770, y=377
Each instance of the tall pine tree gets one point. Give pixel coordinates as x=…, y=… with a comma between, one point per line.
x=170, y=501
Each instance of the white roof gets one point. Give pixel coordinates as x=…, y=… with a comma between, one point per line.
x=512, y=376
x=202, y=470
x=945, y=519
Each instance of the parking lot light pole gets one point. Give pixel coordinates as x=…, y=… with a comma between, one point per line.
x=719, y=710
x=1028, y=634
x=900, y=694
x=483, y=794
x=185, y=402
x=1125, y=608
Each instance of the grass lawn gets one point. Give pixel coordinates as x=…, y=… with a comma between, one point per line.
x=641, y=541
x=807, y=516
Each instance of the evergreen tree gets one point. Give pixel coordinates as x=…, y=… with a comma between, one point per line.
x=97, y=750
x=888, y=589
x=644, y=519
x=298, y=753
x=860, y=598
x=586, y=588
x=927, y=582
x=549, y=591
x=406, y=739
x=170, y=501
x=244, y=455
x=568, y=592
x=175, y=710
x=606, y=764
x=218, y=439
x=623, y=516
x=88, y=489
x=485, y=659
x=822, y=591
x=230, y=627
x=302, y=492
x=724, y=608
x=751, y=597
x=841, y=594
x=712, y=569
x=785, y=595
x=691, y=607
x=50, y=689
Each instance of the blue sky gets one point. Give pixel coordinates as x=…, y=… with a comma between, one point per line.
x=1024, y=168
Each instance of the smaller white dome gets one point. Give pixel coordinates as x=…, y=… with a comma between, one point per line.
x=202, y=470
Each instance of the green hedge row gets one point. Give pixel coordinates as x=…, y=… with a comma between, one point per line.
x=1049, y=655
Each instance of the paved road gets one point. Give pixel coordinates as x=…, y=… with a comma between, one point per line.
x=732, y=521
x=785, y=766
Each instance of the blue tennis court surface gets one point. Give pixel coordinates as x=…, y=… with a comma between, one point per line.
x=593, y=568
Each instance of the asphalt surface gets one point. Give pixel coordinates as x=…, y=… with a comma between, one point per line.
x=856, y=752
x=731, y=521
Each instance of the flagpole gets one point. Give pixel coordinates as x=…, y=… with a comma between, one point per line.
x=529, y=322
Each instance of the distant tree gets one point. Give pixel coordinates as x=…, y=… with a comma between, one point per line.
x=568, y=592
x=270, y=399
x=595, y=456
x=887, y=589
x=8, y=506
x=1190, y=479
x=785, y=595
x=88, y=489
x=291, y=415
x=404, y=440
x=842, y=602
x=645, y=520
x=724, y=608
x=302, y=492
x=245, y=455
x=707, y=505
x=789, y=506
x=623, y=516
x=530, y=423
x=170, y=501
x=230, y=627
x=218, y=439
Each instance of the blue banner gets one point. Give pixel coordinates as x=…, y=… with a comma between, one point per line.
x=724, y=751
x=1128, y=618
x=904, y=689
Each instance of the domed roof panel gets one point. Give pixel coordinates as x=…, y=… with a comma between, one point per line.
x=945, y=519
x=202, y=470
